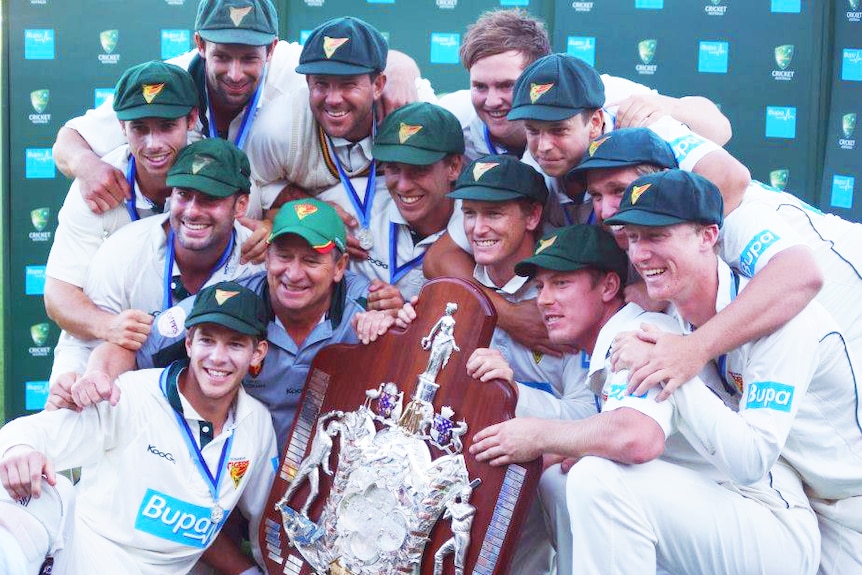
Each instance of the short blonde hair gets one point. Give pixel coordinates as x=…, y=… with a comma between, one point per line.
x=498, y=31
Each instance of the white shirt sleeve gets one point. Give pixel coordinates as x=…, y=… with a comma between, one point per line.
x=267, y=146
x=100, y=128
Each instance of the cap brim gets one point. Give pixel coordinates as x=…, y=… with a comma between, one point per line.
x=154, y=111
x=202, y=184
x=318, y=242
x=332, y=68
x=643, y=218
x=225, y=320
x=485, y=194
x=542, y=113
x=527, y=268
x=407, y=154
x=235, y=36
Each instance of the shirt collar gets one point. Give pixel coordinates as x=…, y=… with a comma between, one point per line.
x=512, y=287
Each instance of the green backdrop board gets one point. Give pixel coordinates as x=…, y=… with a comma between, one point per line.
x=760, y=61
x=62, y=58
x=842, y=173
x=429, y=30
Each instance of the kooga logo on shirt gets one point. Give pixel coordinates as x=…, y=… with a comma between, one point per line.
x=169, y=518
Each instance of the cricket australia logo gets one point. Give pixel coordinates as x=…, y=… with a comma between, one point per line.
x=39, y=101
x=39, y=218
x=848, y=126
x=783, y=59
x=714, y=8
x=39, y=335
x=853, y=14
x=108, y=40
x=646, y=53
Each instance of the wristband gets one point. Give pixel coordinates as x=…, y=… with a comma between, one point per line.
x=688, y=147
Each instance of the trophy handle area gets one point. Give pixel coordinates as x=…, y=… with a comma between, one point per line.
x=342, y=378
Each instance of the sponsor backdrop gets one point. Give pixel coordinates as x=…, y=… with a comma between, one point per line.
x=788, y=74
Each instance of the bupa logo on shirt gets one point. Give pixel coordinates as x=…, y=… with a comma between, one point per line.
x=685, y=145
x=620, y=391
x=756, y=248
x=769, y=395
x=169, y=518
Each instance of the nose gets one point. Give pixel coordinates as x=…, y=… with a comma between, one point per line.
x=480, y=224
x=544, y=298
x=494, y=99
x=608, y=209
x=638, y=252
x=218, y=353
x=235, y=71
x=333, y=96
x=544, y=142
x=293, y=270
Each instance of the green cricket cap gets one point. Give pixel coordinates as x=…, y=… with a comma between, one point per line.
x=556, y=87
x=626, y=147
x=249, y=22
x=212, y=166
x=574, y=248
x=500, y=178
x=343, y=47
x=668, y=198
x=230, y=305
x=154, y=90
x=313, y=220
x=419, y=133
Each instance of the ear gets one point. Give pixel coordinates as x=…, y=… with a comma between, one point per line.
x=378, y=85
x=596, y=124
x=192, y=119
x=270, y=50
x=259, y=352
x=456, y=162
x=123, y=127
x=189, y=335
x=709, y=236
x=610, y=287
x=534, y=218
x=340, y=267
x=200, y=44
x=241, y=205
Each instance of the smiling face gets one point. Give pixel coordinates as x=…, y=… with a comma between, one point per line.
x=233, y=71
x=500, y=234
x=301, y=279
x=419, y=192
x=204, y=223
x=606, y=187
x=155, y=142
x=559, y=146
x=491, y=81
x=219, y=359
x=343, y=105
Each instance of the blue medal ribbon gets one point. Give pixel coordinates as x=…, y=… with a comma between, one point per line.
x=397, y=272
x=167, y=298
x=247, y=118
x=213, y=483
x=492, y=149
x=131, y=174
x=363, y=208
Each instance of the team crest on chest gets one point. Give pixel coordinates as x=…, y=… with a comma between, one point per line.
x=237, y=469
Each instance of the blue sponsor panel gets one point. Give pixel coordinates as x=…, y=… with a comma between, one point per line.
x=851, y=65
x=649, y=4
x=102, y=94
x=842, y=191
x=175, y=42
x=514, y=2
x=781, y=122
x=684, y=145
x=381, y=1
x=34, y=280
x=444, y=47
x=712, y=57
x=769, y=395
x=583, y=47
x=169, y=518
x=39, y=164
x=754, y=250
x=39, y=44
x=786, y=6
x=35, y=395
x=303, y=36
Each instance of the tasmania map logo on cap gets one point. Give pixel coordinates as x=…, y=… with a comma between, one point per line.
x=237, y=14
x=545, y=244
x=406, y=131
x=536, y=91
x=481, y=167
x=222, y=295
x=595, y=145
x=200, y=162
x=304, y=210
x=638, y=191
x=330, y=45
x=150, y=91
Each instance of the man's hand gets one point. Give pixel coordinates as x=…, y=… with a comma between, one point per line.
x=254, y=248
x=128, y=329
x=641, y=110
x=673, y=360
x=517, y=440
x=384, y=297
x=60, y=392
x=551, y=459
x=102, y=185
x=95, y=387
x=370, y=325
x=486, y=364
x=353, y=248
x=21, y=471
x=400, y=88
x=407, y=313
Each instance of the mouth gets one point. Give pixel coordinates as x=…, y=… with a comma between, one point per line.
x=336, y=114
x=157, y=160
x=485, y=244
x=408, y=200
x=234, y=88
x=551, y=320
x=651, y=273
x=497, y=114
x=217, y=374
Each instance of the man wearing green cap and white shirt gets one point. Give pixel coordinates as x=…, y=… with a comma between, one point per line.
x=164, y=463
x=311, y=299
x=691, y=513
x=421, y=145
x=318, y=142
x=156, y=105
x=153, y=263
x=796, y=388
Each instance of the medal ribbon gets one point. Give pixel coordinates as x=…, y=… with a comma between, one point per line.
x=396, y=272
x=363, y=209
x=247, y=118
x=213, y=483
x=167, y=299
x=492, y=149
x=131, y=173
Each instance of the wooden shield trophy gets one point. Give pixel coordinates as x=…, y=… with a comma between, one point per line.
x=376, y=477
